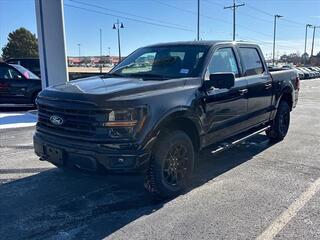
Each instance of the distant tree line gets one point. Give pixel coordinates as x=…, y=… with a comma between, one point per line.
x=297, y=59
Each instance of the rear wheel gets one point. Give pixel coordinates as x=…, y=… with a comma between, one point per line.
x=171, y=165
x=280, y=125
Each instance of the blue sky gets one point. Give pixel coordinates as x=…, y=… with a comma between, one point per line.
x=254, y=22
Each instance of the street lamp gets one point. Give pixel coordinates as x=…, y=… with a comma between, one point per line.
x=117, y=26
x=274, y=36
x=305, y=43
x=314, y=33
x=306, y=36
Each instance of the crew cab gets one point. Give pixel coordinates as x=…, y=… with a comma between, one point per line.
x=18, y=85
x=160, y=106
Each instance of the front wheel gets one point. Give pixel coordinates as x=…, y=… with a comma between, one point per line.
x=171, y=165
x=280, y=125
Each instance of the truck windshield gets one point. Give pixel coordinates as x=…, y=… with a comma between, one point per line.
x=163, y=62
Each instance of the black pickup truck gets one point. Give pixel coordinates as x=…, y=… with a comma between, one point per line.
x=160, y=106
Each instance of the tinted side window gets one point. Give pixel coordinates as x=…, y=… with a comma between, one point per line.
x=4, y=72
x=251, y=61
x=223, y=60
x=8, y=73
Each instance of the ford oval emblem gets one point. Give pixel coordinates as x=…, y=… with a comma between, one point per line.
x=56, y=120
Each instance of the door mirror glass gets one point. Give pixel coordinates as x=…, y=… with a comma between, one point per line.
x=220, y=80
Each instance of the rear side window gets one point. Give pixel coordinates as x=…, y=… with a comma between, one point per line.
x=251, y=61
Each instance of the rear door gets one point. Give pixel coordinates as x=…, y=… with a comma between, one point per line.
x=225, y=108
x=13, y=85
x=260, y=85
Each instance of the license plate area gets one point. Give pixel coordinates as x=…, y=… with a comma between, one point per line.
x=54, y=155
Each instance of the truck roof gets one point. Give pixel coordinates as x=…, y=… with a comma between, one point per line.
x=200, y=43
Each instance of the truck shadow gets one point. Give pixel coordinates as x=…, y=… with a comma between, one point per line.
x=68, y=204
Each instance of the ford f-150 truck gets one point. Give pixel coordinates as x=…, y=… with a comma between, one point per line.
x=160, y=106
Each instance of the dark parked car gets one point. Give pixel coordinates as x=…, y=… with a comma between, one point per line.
x=33, y=64
x=18, y=85
x=155, y=117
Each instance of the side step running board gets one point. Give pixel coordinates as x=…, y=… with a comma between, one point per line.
x=226, y=145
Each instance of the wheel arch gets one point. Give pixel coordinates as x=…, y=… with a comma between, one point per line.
x=183, y=120
x=287, y=96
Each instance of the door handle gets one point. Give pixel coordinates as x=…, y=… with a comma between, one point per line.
x=242, y=91
x=268, y=85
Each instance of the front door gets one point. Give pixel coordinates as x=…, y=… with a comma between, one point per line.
x=225, y=109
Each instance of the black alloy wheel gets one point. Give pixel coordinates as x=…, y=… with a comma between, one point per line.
x=280, y=125
x=171, y=165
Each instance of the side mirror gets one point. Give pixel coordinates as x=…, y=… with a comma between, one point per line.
x=220, y=80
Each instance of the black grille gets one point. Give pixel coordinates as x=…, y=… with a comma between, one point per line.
x=76, y=122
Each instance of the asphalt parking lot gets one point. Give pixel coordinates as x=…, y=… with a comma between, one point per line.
x=254, y=190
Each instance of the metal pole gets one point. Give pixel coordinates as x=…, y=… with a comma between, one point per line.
x=198, y=25
x=234, y=20
x=314, y=32
x=274, y=38
x=305, y=43
x=79, y=50
x=100, y=65
x=305, y=39
x=118, y=28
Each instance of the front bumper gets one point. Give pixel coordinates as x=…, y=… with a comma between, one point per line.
x=90, y=156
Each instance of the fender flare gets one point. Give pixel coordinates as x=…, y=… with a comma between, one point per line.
x=286, y=90
x=179, y=112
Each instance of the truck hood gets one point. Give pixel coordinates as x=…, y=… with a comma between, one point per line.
x=111, y=87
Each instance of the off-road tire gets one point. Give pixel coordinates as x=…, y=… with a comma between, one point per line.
x=157, y=176
x=280, y=125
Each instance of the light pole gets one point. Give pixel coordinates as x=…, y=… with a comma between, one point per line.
x=274, y=36
x=117, y=26
x=306, y=38
x=198, y=22
x=100, y=65
x=79, y=48
x=314, y=33
x=234, y=7
x=305, y=43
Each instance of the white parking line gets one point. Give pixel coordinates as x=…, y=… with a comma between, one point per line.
x=280, y=222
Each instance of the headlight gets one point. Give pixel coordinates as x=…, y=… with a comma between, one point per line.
x=125, y=123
